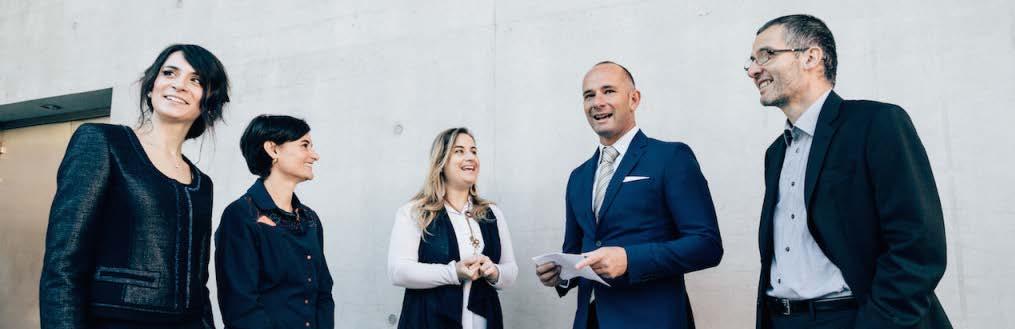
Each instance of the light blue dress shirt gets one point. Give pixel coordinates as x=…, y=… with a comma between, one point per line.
x=800, y=270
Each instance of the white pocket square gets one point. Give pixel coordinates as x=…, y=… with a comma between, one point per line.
x=634, y=178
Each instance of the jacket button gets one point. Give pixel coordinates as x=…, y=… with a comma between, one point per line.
x=308, y=257
x=308, y=323
x=599, y=243
x=310, y=280
x=306, y=301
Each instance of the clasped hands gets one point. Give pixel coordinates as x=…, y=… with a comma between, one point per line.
x=475, y=267
x=608, y=262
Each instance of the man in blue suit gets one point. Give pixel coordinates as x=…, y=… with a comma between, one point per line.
x=641, y=213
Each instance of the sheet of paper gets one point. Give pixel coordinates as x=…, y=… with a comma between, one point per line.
x=567, y=263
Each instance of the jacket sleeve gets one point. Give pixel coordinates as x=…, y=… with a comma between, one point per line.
x=237, y=270
x=82, y=183
x=325, y=300
x=207, y=316
x=572, y=236
x=911, y=222
x=697, y=244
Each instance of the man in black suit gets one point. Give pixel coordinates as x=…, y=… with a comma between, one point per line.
x=852, y=233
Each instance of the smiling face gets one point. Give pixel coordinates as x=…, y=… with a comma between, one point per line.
x=779, y=80
x=610, y=100
x=295, y=158
x=176, y=92
x=462, y=168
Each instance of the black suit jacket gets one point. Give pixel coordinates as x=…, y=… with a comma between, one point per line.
x=874, y=210
x=124, y=241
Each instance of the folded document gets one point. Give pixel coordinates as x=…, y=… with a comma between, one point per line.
x=567, y=263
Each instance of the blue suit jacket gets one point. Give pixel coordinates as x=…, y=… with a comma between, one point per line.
x=666, y=223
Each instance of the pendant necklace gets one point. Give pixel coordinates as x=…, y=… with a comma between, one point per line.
x=472, y=235
x=177, y=160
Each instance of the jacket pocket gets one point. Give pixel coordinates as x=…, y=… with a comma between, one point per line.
x=134, y=277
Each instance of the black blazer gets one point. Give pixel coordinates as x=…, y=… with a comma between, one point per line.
x=124, y=242
x=874, y=210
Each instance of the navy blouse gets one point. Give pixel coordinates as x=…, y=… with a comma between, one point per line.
x=272, y=276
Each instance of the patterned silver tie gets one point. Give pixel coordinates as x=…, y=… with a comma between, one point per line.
x=603, y=175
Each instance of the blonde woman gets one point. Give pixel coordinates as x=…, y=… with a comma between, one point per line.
x=450, y=248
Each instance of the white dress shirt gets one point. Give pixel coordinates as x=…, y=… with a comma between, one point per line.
x=800, y=270
x=405, y=270
x=621, y=146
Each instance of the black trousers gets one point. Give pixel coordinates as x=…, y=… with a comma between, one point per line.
x=125, y=324
x=843, y=319
x=593, y=320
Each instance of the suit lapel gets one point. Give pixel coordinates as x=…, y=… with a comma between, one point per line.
x=773, y=169
x=587, y=219
x=823, y=133
x=634, y=152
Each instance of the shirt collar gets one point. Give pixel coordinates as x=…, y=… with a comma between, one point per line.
x=622, y=143
x=263, y=200
x=809, y=119
x=451, y=210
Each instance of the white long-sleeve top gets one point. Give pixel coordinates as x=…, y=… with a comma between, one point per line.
x=405, y=270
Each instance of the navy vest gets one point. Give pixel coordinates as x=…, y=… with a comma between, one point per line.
x=441, y=307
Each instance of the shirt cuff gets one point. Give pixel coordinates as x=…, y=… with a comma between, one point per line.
x=453, y=273
x=494, y=283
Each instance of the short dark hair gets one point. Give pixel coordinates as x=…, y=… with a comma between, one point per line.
x=808, y=31
x=629, y=76
x=214, y=82
x=268, y=128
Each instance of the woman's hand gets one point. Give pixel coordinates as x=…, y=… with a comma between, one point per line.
x=468, y=269
x=488, y=269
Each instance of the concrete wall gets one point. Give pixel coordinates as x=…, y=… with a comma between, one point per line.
x=378, y=79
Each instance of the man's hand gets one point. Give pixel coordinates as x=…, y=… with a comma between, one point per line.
x=549, y=274
x=608, y=262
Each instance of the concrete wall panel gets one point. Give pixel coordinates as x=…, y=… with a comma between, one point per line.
x=378, y=79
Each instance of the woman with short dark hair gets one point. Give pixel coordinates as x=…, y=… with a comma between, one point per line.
x=269, y=255
x=130, y=226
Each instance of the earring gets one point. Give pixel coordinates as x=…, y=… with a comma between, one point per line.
x=149, y=94
x=274, y=161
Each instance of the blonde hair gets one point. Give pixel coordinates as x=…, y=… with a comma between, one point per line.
x=430, y=200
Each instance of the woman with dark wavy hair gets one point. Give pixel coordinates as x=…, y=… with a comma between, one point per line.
x=450, y=248
x=129, y=229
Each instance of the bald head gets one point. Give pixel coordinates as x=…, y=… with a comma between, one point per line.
x=612, y=65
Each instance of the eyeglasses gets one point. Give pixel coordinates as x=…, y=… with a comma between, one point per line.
x=766, y=55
